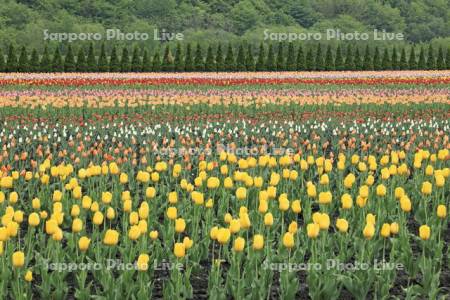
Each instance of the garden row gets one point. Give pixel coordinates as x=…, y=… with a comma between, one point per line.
x=244, y=58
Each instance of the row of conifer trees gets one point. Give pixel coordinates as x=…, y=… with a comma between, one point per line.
x=270, y=57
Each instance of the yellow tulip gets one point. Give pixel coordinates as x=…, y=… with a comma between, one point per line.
x=83, y=243
x=18, y=259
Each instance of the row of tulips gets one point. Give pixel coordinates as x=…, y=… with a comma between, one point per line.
x=222, y=209
x=137, y=97
x=228, y=79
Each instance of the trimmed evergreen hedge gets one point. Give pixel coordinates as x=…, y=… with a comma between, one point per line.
x=217, y=58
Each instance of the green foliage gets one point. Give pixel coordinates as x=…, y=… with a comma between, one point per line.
x=167, y=63
x=81, y=61
x=45, y=61
x=92, y=63
x=146, y=62
x=240, y=59
x=339, y=61
x=260, y=64
x=281, y=64
x=394, y=60
x=319, y=61
x=412, y=62
x=178, y=61
x=198, y=60
x=329, y=63
x=210, y=65
x=2, y=61
x=440, y=63
x=403, y=64
x=300, y=62
x=368, y=61
x=431, y=61
x=422, y=64
x=291, y=59
x=136, y=62
x=156, y=62
x=270, y=62
x=229, y=59
x=103, y=60
x=114, y=64
x=349, y=59
x=359, y=63
x=249, y=60
x=284, y=60
x=188, y=60
x=34, y=61
x=57, y=63
x=377, y=60
x=447, y=58
x=23, y=65
x=125, y=64
x=219, y=59
x=69, y=61
x=11, y=60
x=386, y=62
x=310, y=60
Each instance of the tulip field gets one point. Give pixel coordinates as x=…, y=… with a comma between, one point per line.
x=291, y=185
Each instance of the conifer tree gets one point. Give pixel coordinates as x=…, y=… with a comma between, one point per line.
x=156, y=62
x=11, y=60
x=281, y=64
x=319, y=61
x=240, y=59
x=447, y=59
x=103, y=60
x=412, y=62
x=125, y=64
x=260, y=63
x=210, y=65
x=69, y=60
x=310, y=60
x=45, y=61
x=349, y=60
x=377, y=60
x=394, y=60
x=403, y=64
x=291, y=64
x=230, y=64
x=440, y=63
x=188, y=60
x=178, y=65
x=270, y=62
x=368, y=61
x=34, y=61
x=339, y=61
x=2, y=61
x=23, y=61
x=359, y=63
x=81, y=61
x=114, y=64
x=146, y=62
x=57, y=63
x=329, y=62
x=431, y=61
x=422, y=64
x=386, y=62
x=167, y=62
x=300, y=61
x=92, y=63
x=219, y=59
x=198, y=60
x=249, y=61
x=136, y=62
